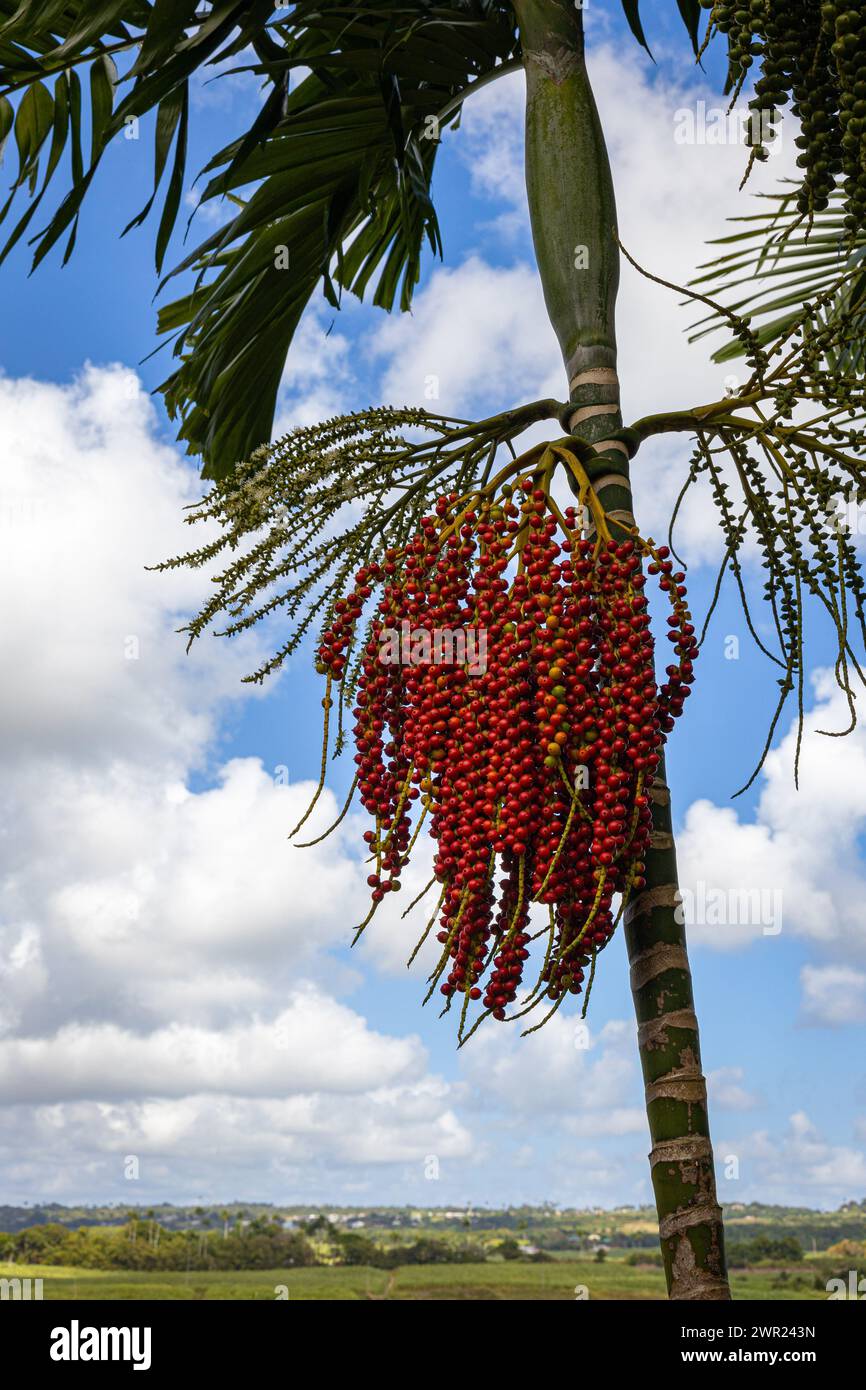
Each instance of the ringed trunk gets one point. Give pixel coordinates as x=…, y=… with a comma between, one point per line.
x=573, y=214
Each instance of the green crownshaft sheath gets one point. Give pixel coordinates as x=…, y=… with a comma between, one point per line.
x=573, y=213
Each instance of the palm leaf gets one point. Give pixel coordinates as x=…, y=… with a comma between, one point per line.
x=337, y=171
x=338, y=191
x=774, y=263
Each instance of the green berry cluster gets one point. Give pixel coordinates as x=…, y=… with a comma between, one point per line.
x=812, y=55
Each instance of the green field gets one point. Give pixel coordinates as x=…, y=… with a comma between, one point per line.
x=558, y=1280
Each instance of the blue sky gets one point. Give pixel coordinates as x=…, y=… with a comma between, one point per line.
x=177, y=983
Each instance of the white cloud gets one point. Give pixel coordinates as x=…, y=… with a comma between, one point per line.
x=476, y=334
x=794, y=868
x=23, y=975
x=489, y=143
x=92, y=668
x=833, y=995
x=164, y=952
x=798, y=1166
x=214, y=1148
x=621, y=1119
x=531, y=1075
x=313, y=1044
x=727, y=1092
x=672, y=198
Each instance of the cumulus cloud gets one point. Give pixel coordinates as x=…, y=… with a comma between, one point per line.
x=167, y=973
x=564, y=1066
x=727, y=1092
x=212, y=1148
x=477, y=334
x=833, y=995
x=798, y=1165
x=163, y=953
x=92, y=668
x=795, y=867
x=312, y=1044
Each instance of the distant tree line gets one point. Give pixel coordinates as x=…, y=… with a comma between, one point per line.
x=144, y=1245
x=781, y=1250
x=261, y=1244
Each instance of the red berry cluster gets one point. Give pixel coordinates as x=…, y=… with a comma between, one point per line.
x=538, y=759
x=347, y=611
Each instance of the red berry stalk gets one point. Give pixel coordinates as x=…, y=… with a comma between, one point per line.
x=508, y=690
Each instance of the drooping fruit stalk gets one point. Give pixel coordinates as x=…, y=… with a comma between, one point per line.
x=572, y=208
x=534, y=756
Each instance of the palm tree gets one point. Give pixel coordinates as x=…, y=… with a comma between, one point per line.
x=333, y=179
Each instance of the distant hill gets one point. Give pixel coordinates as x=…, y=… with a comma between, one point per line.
x=548, y=1227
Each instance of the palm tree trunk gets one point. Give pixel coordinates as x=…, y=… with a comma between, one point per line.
x=573, y=214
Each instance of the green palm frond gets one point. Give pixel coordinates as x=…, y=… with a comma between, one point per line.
x=330, y=183
x=341, y=193
x=775, y=263
x=50, y=53
x=332, y=178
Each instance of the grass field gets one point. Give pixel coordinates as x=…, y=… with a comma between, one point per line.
x=559, y=1280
